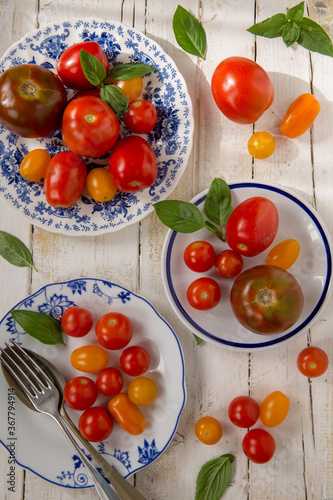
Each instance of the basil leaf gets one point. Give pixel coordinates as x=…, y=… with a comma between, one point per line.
x=291, y=33
x=218, y=202
x=130, y=70
x=198, y=339
x=296, y=13
x=271, y=27
x=313, y=37
x=93, y=69
x=40, y=326
x=213, y=478
x=15, y=251
x=115, y=98
x=180, y=216
x=189, y=32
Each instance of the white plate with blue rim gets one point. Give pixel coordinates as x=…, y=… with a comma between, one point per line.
x=53, y=457
x=171, y=138
x=312, y=269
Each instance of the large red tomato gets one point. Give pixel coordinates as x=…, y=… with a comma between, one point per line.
x=89, y=127
x=252, y=226
x=242, y=89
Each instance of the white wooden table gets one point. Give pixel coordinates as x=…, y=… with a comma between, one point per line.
x=303, y=464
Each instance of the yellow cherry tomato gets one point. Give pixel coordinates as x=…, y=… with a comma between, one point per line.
x=274, y=409
x=34, y=164
x=89, y=358
x=284, y=254
x=99, y=185
x=142, y=391
x=131, y=88
x=208, y=430
x=261, y=145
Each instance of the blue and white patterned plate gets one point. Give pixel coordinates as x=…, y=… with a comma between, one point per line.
x=171, y=139
x=53, y=458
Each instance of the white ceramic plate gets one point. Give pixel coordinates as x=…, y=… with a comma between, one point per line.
x=171, y=139
x=313, y=270
x=53, y=458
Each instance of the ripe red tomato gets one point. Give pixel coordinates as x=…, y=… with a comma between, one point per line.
x=95, y=424
x=259, y=446
x=65, y=179
x=266, y=299
x=208, y=430
x=89, y=358
x=252, y=226
x=229, y=264
x=132, y=164
x=114, y=330
x=69, y=67
x=241, y=89
x=274, y=409
x=134, y=361
x=141, y=116
x=199, y=256
x=76, y=321
x=312, y=361
x=80, y=393
x=109, y=381
x=204, y=294
x=89, y=127
x=32, y=100
x=243, y=411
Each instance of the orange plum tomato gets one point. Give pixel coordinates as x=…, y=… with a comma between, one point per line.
x=312, y=361
x=199, y=256
x=274, y=409
x=141, y=116
x=127, y=415
x=100, y=186
x=261, y=145
x=134, y=360
x=76, y=321
x=208, y=430
x=89, y=358
x=300, y=115
x=229, y=264
x=259, y=446
x=95, y=424
x=34, y=164
x=109, y=381
x=266, y=299
x=114, y=330
x=252, y=226
x=204, y=294
x=131, y=87
x=284, y=254
x=241, y=89
x=142, y=391
x=80, y=393
x=243, y=411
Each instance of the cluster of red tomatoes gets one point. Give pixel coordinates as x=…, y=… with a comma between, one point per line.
x=113, y=332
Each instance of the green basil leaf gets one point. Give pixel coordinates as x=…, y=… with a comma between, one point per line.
x=15, y=251
x=296, y=13
x=197, y=339
x=213, y=478
x=218, y=202
x=180, y=216
x=189, y=32
x=271, y=27
x=313, y=37
x=93, y=69
x=40, y=326
x=115, y=98
x=291, y=33
x=130, y=70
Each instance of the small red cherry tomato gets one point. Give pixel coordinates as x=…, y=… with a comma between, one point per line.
x=208, y=430
x=229, y=264
x=243, y=411
x=134, y=360
x=76, y=321
x=80, y=393
x=141, y=116
x=204, y=294
x=95, y=424
x=259, y=446
x=274, y=409
x=127, y=414
x=312, y=361
x=89, y=358
x=109, y=381
x=199, y=256
x=114, y=330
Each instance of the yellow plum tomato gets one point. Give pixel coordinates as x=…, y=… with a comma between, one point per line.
x=34, y=164
x=274, y=409
x=284, y=254
x=100, y=186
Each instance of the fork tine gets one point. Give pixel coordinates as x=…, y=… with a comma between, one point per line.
x=30, y=391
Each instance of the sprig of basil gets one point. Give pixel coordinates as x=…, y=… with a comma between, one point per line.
x=115, y=98
x=189, y=32
x=213, y=478
x=218, y=202
x=15, y=251
x=294, y=27
x=127, y=71
x=40, y=326
x=92, y=68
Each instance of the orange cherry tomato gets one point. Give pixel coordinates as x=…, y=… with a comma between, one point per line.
x=312, y=361
x=99, y=185
x=127, y=415
x=261, y=145
x=274, y=409
x=208, y=430
x=142, y=391
x=89, y=358
x=131, y=88
x=300, y=115
x=34, y=164
x=284, y=254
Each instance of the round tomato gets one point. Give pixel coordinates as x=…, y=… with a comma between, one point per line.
x=204, y=294
x=76, y=321
x=89, y=127
x=141, y=116
x=32, y=100
x=127, y=414
x=131, y=87
x=266, y=299
x=208, y=430
x=69, y=67
x=95, y=424
x=241, y=89
x=274, y=409
x=284, y=254
x=109, y=381
x=243, y=411
x=133, y=164
x=65, y=179
x=100, y=186
x=229, y=264
x=80, y=393
x=312, y=361
x=114, y=330
x=142, y=391
x=199, y=256
x=261, y=145
x=134, y=361
x=259, y=446
x=34, y=164
x=252, y=226
x=89, y=358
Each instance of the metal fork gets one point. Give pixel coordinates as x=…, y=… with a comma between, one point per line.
x=45, y=397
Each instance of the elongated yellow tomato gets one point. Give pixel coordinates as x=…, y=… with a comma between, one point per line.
x=284, y=254
x=34, y=164
x=127, y=414
x=100, y=186
x=300, y=115
x=89, y=358
x=274, y=409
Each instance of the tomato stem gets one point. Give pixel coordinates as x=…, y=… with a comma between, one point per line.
x=29, y=88
x=265, y=297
